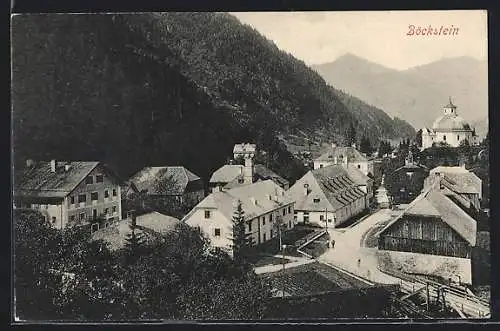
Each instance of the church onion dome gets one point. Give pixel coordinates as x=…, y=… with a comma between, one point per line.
x=450, y=123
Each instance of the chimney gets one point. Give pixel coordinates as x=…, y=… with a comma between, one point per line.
x=67, y=166
x=306, y=189
x=30, y=163
x=53, y=165
x=248, y=169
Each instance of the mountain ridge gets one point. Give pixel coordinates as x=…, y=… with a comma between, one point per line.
x=417, y=93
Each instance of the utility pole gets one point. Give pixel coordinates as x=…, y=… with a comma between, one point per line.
x=427, y=295
x=283, y=289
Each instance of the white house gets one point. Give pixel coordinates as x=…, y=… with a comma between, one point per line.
x=69, y=194
x=345, y=156
x=328, y=196
x=264, y=203
x=450, y=129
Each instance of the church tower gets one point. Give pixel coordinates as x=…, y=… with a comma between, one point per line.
x=450, y=109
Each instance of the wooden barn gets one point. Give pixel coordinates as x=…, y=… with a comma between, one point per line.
x=433, y=236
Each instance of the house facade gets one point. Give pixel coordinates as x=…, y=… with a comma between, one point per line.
x=69, y=193
x=169, y=182
x=450, y=129
x=407, y=181
x=346, y=157
x=433, y=236
x=328, y=196
x=264, y=204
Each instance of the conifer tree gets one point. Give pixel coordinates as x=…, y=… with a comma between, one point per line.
x=134, y=241
x=241, y=239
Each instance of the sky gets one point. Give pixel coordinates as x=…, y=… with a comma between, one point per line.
x=381, y=37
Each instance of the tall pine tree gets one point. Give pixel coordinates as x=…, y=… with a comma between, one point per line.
x=241, y=239
x=134, y=241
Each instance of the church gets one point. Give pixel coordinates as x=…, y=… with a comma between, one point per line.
x=449, y=129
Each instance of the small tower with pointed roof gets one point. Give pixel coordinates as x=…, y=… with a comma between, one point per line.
x=450, y=108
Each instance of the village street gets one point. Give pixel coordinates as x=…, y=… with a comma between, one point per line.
x=352, y=250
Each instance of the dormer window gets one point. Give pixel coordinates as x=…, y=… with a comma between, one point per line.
x=89, y=180
x=207, y=213
x=316, y=200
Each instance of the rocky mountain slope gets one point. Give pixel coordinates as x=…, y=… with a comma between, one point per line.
x=173, y=88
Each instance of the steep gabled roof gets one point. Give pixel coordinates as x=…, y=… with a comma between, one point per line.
x=329, y=188
x=168, y=180
x=40, y=181
x=434, y=203
x=230, y=173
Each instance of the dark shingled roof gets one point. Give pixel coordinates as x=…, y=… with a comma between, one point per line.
x=163, y=180
x=40, y=181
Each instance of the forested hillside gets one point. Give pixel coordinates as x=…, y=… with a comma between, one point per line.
x=175, y=88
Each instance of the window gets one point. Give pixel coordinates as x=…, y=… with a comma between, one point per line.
x=359, y=166
x=321, y=217
x=263, y=220
x=240, y=180
x=72, y=200
x=94, y=196
x=250, y=226
x=284, y=211
x=114, y=192
x=114, y=209
x=306, y=217
x=82, y=198
x=264, y=237
x=54, y=219
x=321, y=166
x=289, y=209
x=99, y=179
x=217, y=232
x=106, y=194
x=444, y=137
x=316, y=200
x=458, y=137
x=82, y=216
x=270, y=217
x=106, y=211
x=289, y=224
x=72, y=217
x=207, y=213
x=89, y=180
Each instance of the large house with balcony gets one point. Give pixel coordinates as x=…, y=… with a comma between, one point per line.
x=264, y=204
x=69, y=193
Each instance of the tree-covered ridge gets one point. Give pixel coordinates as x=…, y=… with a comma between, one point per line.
x=164, y=89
